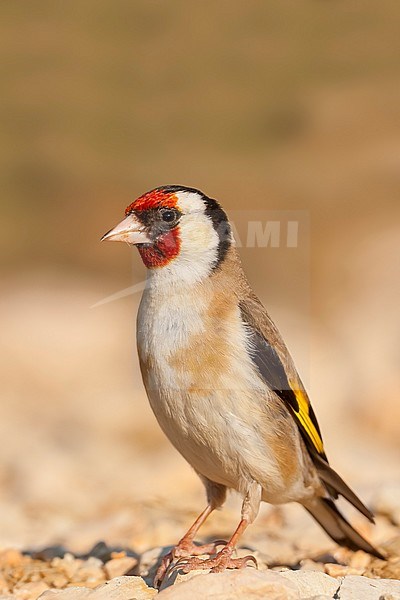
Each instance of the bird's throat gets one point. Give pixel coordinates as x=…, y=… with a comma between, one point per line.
x=165, y=248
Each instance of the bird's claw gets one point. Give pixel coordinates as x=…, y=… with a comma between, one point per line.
x=181, y=554
x=221, y=561
x=162, y=569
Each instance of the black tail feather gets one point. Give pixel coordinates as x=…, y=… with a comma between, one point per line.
x=336, y=485
x=326, y=513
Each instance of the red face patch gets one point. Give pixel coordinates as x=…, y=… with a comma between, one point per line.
x=165, y=248
x=153, y=199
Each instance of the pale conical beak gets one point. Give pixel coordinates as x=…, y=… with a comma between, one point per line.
x=130, y=230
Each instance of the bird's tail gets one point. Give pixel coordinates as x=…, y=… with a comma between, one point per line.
x=326, y=513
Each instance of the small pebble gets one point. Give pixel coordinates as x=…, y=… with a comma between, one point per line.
x=336, y=570
x=119, y=566
x=30, y=591
x=360, y=560
x=309, y=565
x=11, y=558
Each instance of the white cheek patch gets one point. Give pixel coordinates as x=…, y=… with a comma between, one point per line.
x=199, y=240
x=199, y=244
x=199, y=248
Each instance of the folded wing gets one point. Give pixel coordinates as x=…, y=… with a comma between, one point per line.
x=276, y=367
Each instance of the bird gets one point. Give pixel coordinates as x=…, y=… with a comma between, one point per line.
x=220, y=379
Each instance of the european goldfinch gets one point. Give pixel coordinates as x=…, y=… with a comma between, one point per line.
x=219, y=377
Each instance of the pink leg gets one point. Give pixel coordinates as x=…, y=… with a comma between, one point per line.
x=186, y=547
x=223, y=559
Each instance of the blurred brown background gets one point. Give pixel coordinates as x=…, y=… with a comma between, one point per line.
x=264, y=105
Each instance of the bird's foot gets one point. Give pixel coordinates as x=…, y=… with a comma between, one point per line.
x=218, y=563
x=185, y=550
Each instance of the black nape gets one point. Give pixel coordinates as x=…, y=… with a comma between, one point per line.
x=221, y=225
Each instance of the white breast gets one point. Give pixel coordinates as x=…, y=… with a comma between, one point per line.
x=217, y=429
x=166, y=322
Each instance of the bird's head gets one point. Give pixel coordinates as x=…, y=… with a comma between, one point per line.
x=178, y=229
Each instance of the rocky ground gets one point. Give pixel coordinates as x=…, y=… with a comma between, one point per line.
x=309, y=568
x=104, y=573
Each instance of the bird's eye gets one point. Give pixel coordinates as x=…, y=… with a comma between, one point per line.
x=168, y=216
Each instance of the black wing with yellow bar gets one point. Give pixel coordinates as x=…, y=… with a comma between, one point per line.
x=273, y=372
x=295, y=399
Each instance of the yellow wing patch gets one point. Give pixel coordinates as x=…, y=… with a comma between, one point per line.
x=303, y=415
